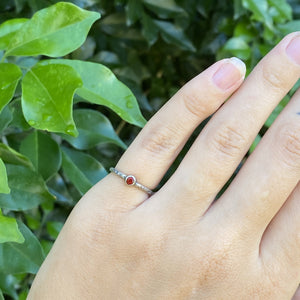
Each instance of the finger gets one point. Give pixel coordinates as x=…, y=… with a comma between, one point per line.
x=227, y=137
x=279, y=249
x=269, y=175
x=158, y=144
x=297, y=294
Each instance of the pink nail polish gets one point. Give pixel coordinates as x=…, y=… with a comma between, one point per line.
x=229, y=73
x=293, y=49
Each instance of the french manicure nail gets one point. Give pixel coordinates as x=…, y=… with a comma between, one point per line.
x=229, y=73
x=293, y=49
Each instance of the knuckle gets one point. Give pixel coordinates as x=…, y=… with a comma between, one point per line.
x=162, y=140
x=228, y=141
x=275, y=75
x=195, y=106
x=289, y=139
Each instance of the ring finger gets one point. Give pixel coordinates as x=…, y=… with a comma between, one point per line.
x=158, y=144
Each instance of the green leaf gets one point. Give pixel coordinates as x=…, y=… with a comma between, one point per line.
x=107, y=58
x=11, y=156
x=10, y=75
x=3, y=179
x=41, y=149
x=18, y=117
x=28, y=189
x=21, y=258
x=100, y=86
x=243, y=31
x=94, y=128
x=150, y=30
x=8, y=29
x=238, y=47
x=58, y=188
x=19, y=5
x=47, y=97
x=259, y=8
x=81, y=169
x=173, y=34
x=54, y=228
x=8, y=284
x=9, y=231
x=166, y=8
x=134, y=11
x=6, y=117
x=115, y=25
x=289, y=27
x=283, y=8
x=1, y=296
x=54, y=31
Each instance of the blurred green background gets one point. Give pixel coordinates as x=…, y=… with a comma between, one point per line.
x=155, y=47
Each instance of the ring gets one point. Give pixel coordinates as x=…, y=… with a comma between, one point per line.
x=131, y=181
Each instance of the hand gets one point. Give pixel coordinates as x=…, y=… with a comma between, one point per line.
x=179, y=243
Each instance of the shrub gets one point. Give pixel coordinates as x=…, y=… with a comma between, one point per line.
x=59, y=102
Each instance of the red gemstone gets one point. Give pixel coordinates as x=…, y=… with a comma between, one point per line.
x=130, y=180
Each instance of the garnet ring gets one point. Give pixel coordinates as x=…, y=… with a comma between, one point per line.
x=131, y=181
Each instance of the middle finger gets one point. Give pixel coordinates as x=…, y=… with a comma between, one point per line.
x=225, y=140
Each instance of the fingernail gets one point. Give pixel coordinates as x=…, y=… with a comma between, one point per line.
x=229, y=73
x=293, y=49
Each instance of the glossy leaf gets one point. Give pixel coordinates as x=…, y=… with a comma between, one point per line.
x=8, y=29
x=150, y=30
x=20, y=258
x=174, y=35
x=54, y=228
x=10, y=75
x=18, y=117
x=289, y=27
x=28, y=189
x=9, y=231
x=134, y=11
x=1, y=296
x=54, y=31
x=57, y=187
x=82, y=169
x=41, y=149
x=283, y=8
x=48, y=96
x=5, y=118
x=94, y=128
x=11, y=156
x=3, y=179
x=259, y=8
x=19, y=5
x=166, y=8
x=107, y=58
x=238, y=47
x=100, y=86
x=8, y=285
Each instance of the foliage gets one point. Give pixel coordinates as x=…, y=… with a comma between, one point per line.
x=57, y=116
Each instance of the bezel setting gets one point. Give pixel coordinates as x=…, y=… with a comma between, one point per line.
x=130, y=180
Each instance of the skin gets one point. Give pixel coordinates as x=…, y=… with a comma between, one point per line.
x=178, y=244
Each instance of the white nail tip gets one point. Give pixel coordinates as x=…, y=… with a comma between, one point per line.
x=240, y=65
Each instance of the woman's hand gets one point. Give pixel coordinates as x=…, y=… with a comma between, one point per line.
x=178, y=244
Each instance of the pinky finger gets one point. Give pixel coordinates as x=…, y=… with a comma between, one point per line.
x=279, y=249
